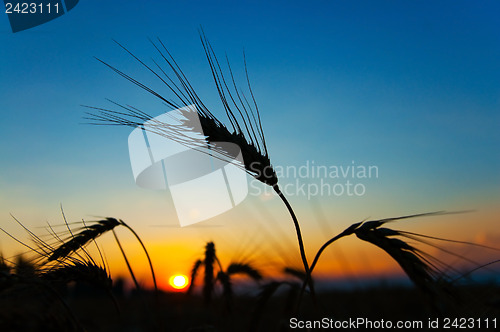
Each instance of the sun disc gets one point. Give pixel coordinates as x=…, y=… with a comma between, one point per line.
x=178, y=281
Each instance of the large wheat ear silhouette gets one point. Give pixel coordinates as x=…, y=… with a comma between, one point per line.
x=245, y=127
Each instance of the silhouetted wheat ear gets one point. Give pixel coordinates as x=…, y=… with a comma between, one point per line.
x=6, y=278
x=245, y=269
x=24, y=267
x=421, y=271
x=79, y=270
x=413, y=262
x=82, y=238
x=4, y=266
x=244, y=118
x=194, y=272
x=417, y=265
x=208, y=263
x=409, y=258
x=246, y=127
x=22, y=279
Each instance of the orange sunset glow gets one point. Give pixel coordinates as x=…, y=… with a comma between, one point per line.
x=274, y=245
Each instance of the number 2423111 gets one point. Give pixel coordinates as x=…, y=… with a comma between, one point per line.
x=31, y=8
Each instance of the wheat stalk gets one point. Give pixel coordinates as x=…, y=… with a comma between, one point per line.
x=129, y=267
x=421, y=271
x=246, y=127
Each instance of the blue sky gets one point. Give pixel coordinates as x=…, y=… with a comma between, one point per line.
x=412, y=87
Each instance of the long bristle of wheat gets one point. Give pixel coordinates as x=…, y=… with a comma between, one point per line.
x=245, y=122
x=419, y=270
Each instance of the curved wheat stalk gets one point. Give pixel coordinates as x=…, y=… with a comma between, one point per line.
x=421, y=268
x=245, y=122
x=145, y=251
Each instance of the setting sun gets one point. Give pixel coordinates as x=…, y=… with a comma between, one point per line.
x=178, y=281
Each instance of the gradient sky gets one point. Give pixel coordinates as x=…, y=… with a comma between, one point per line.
x=410, y=87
